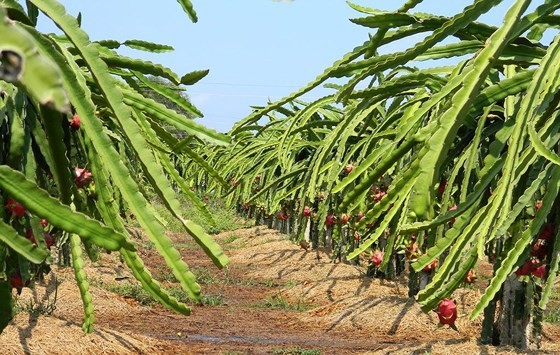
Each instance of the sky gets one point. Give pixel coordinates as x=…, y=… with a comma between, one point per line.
x=256, y=50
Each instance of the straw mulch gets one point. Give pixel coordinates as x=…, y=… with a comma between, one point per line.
x=61, y=332
x=348, y=301
x=372, y=316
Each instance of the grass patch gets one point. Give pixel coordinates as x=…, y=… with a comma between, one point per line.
x=290, y=284
x=204, y=276
x=207, y=300
x=275, y=283
x=552, y=312
x=279, y=302
x=136, y=292
x=249, y=282
x=552, y=315
x=149, y=245
x=165, y=275
x=241, y=245
x=35, y=309
x=45, y=307
x=225, y=218
x=130, y=290
x=231, y=239
x=230, y=279
x=296, y=351
x=213, y=300
x=270, y=283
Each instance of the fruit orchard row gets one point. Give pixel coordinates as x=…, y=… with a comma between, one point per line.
x=82, y=147
x=445, y=164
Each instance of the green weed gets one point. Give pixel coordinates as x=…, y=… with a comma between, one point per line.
x=164, y=274
x=205, y=276
x=212, y=300
x=552, y=315
x=136, y=292
x=131, y=290
x=231, y=239
x=279, y=302
x=207, y=300
x=290, y=284
x=149, y=245
x=225, y=218
x=269, y=283
x=33, y=308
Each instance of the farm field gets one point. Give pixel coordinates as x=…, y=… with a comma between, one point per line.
x=404, y=200
x=275, y=298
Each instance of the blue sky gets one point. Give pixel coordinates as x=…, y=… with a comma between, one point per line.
x=256, y=50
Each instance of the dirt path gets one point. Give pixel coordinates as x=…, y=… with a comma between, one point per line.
x=274, y=298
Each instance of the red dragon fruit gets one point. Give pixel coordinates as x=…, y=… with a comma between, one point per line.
x=16, y=281
x=441, y=188
x=471, y=277
x=431, y=266
x=547, y=232
x=348, y=169
x=528, y=267
x=538, y=205
x=30, y=236
x=83, y=177
x=447, y=312
x=329, y=220
x=377, y=257
x=14, y=207
x=540, y=272
x=539, y=248
x=452, y=208
x=49, y=240
x=359, y=216
x=75, y=122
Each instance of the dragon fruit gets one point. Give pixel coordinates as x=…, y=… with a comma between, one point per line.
x=377, y=257
x=447, y=312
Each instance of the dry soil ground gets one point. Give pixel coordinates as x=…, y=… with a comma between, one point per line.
x=274, y=298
